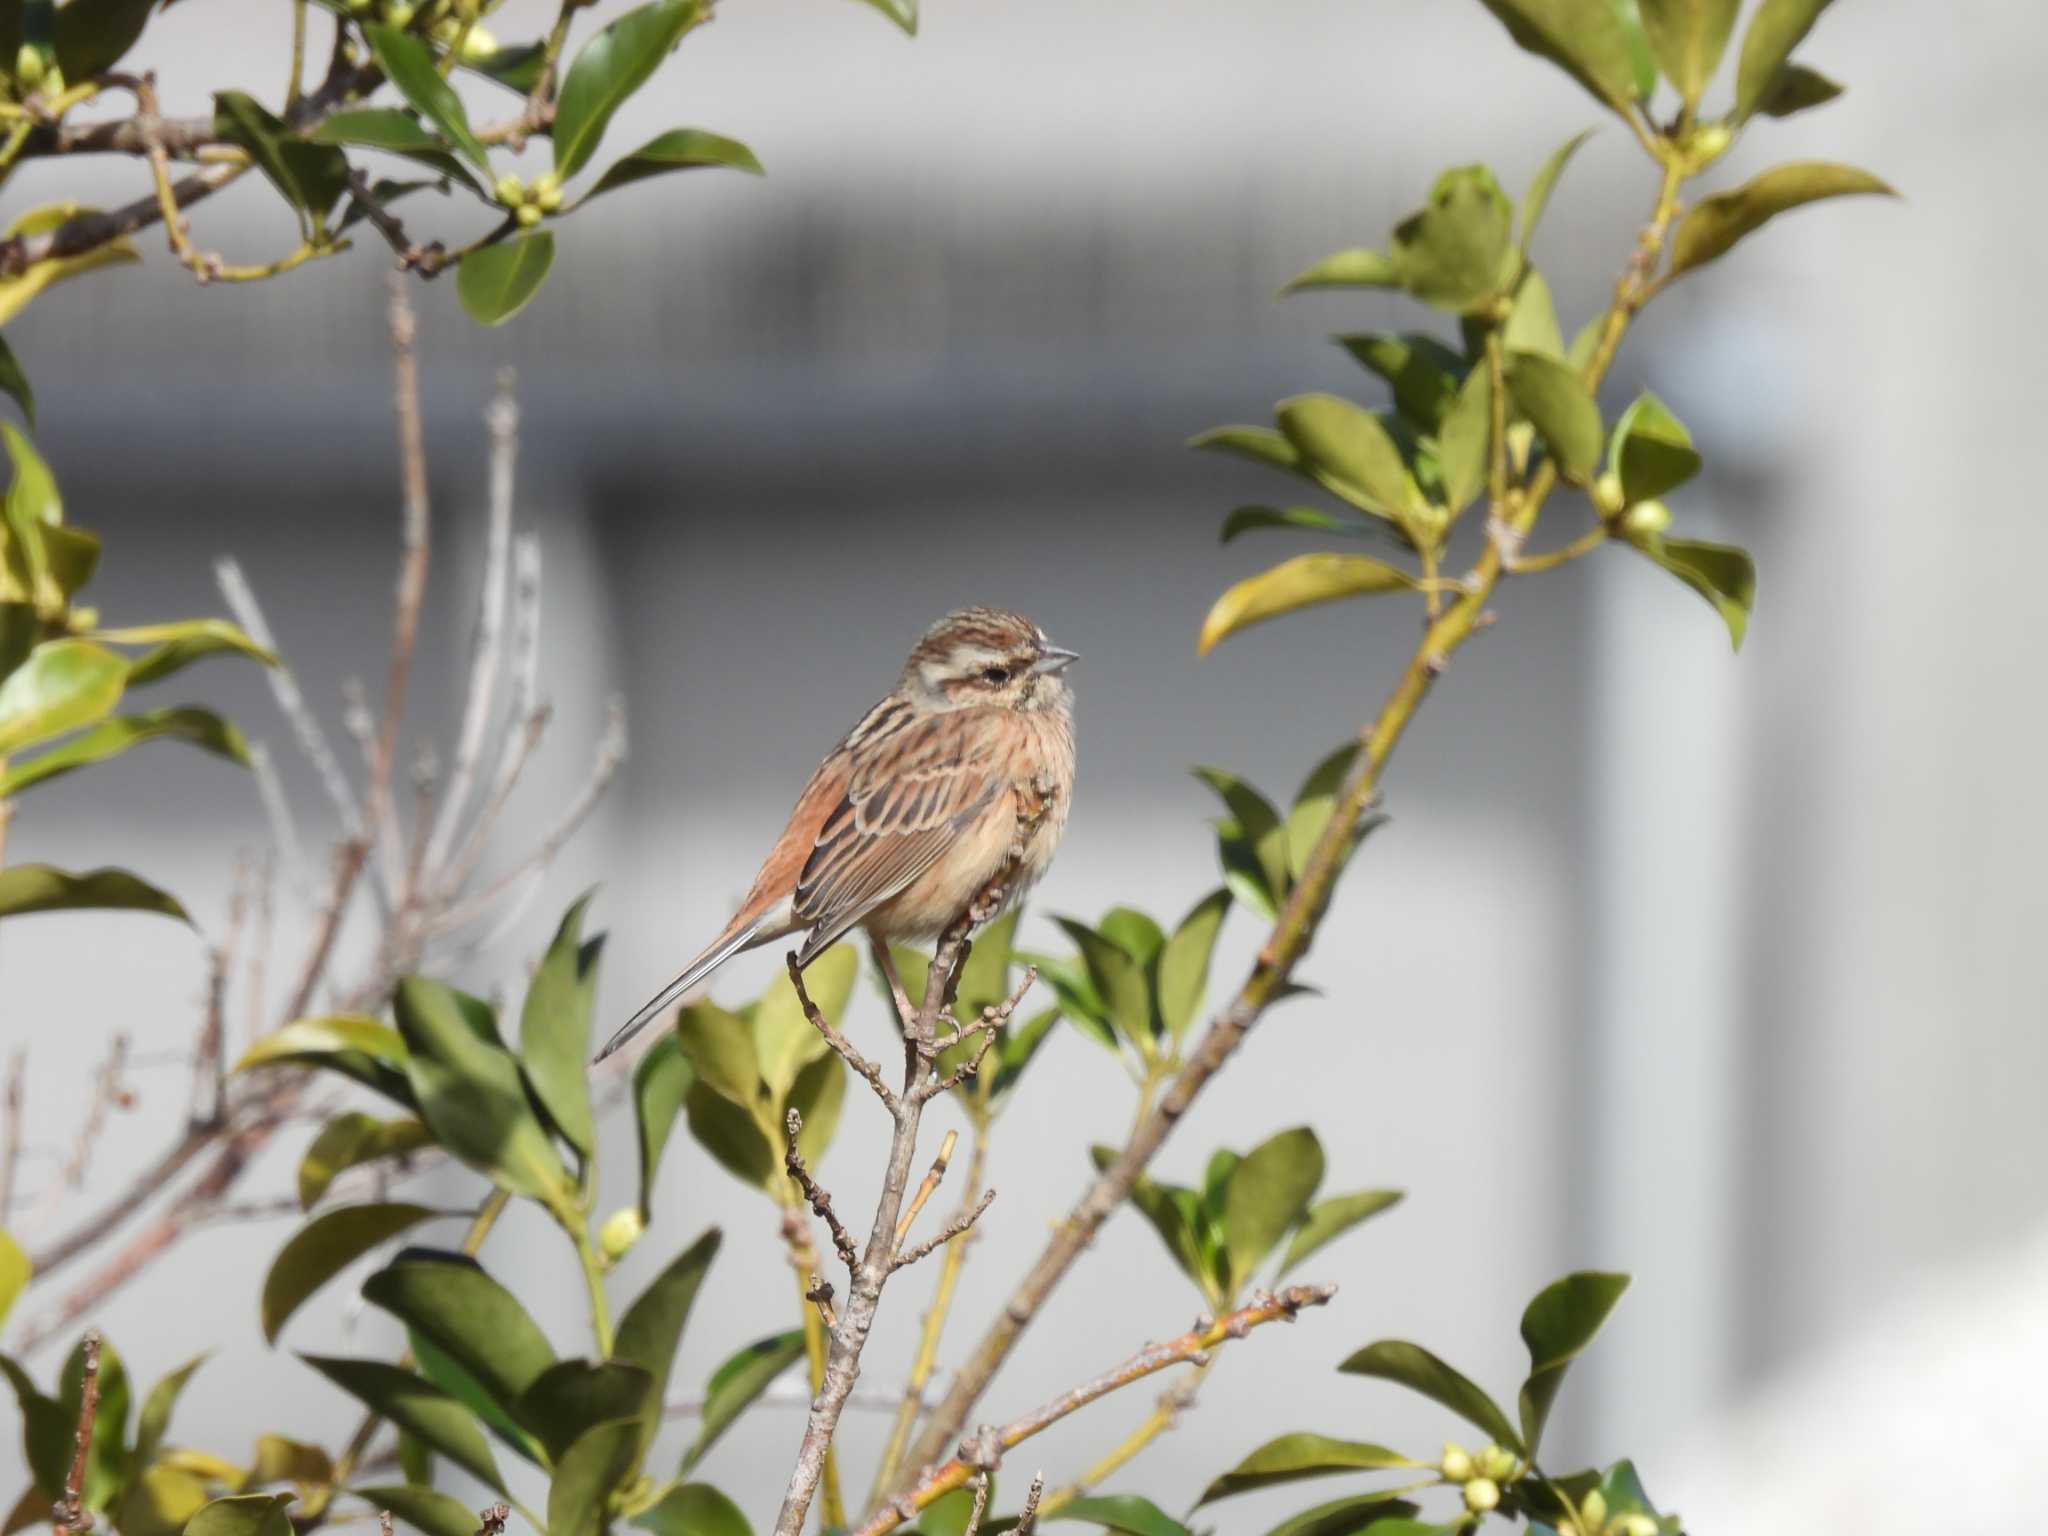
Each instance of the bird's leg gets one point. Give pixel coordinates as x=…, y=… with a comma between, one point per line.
x=901, y=998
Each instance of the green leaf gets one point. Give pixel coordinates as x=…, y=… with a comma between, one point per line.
x=1298, y=583
x=46, y=1435
x=1688, y=38
x=1562, y=408
x=572, y=1397
x=732, y=1134
x=14, y=382
x=1136, y=934
x=588, y=1474
x=1356, y=268
x=614, y=64
x=1173, y=1212
x=1422, y=372
x=1015, y=1050
x=1715, y=224
x=785, y=1040
x=1463, y=443
x=244, y=1514
x=17, y=293
x=554, y=1030
x=1778, y=27
x=1268, y=1194
x=902, y=12
x=660, y=1080
x=1623, y=1489
x=424, y=1509
x=1244, y=519
x=1796, y=89
x=652, y=1329
x=482, y=1327
x=349, y=1141
x=92, y=36
x=155, y=1421
x=1292, y=1458
x=1125, y=1513
x=1650, y=452
x=1184, y=962
x=1587, y=39
x=1451, y=252
x=495, y=282
x=324, y=1247
x=243, y=121
x=694, y=1509
x=1349, y=452
x=442, y=1369
x=1119, y=980
x=515, y=66
x=1415, y=1368
x=680, y=149
x=398, y=133
x=371, y=1053
x=473, y=1095
x=1537, y=198
x=106, y=1462
x=409, y=65
x=64, y=685
x=1313, y=806
x=176, y=646
x=1532, y=322
x=1724, y=575
x=419, y=1408
x=1262, y=445
x=1363, y=1514
x=15, y=1271
x=1332, y=1218
x=1557, y=1326
x=1252, y=840
x=733, y=1387
x=26, y=888
x=202, y=727
x=818, y=1094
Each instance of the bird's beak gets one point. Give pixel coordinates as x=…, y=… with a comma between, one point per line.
x=1054, y=659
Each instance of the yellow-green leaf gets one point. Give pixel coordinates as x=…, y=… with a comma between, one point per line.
x=1350, y=452
x=1712, y=227
x=201, y=727
x=1688, y=37
x=1355, y=268
x=64, y=685
x=14, y=1272
x=1562, y=409
x=1297, y=583
x=26, y=888
x=325, y=1246
x=1722, y=574
x=1778, y=27
x=1587, y=39
x=17, y=291
x=1537, y=198
x=680, y=149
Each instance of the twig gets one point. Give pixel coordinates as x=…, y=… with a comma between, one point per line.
x=980, y=1508
x=934, y=1086
x=412, y=539
x=209, y=1064
x=819, y=1294
x=985, y=1449
x=945, y=1234
x=930, y=1185
x=820, y=1202
x=1028, y=1521
x=847, y=1050
x=1165, y=1414
x=428, y=260
x=493, y=1517
x=70, y=1514
x=106, y=1094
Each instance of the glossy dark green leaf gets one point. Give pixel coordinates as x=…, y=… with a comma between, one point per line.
x=1184, y=962
x=1314, y=520
x=1422, y=372
x=1544, y=182
x=652, y=1329
x=1562, y=408
x=495, y=282
x=1650, y=452
x=1363, y=1514
x=201, y=727
x=614, y=64
x=385, y=191
x=349, y=1141
x=244, y=1514
x=694, y=1509
x=1079, y=1001
x=443, y=1370
x=1777, y=27
x=515, y=66
x=1587, y=39
x=26, y=888
x=409, y=65
x=1174, y=1213
x=1450, y=253
x=742, y=1378
x=1357, y=268
x=1262, y=445
x=1302, y=582
x=554, y=1030
x=1688, y=38
x=324, y=1247
x=1268, y=1193
x=426, y=1510
x=14, y=382
x=418, y=1407
x=680, y=149
x=660, y=1080
x=1293, y=1458
x=1724, y=575
x=476, y=1321
x=473, y=1095
x=1557, y=1326
x=176, y=646
x=64, y=685
x=1349, y=451
x=155, y=1420
x=395, y=132
x=106, y=1462
x=1119, y=980
x=1714, y=224
x=572, y=1397
x=244, y=122
x=92, y=36
x=1532, y=321
x=1798, y=89
x=1412, y=1366
x=586, y=1476
x=1332, y=1218
x=1124, y=1513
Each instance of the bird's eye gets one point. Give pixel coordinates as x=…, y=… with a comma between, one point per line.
x=996, y=675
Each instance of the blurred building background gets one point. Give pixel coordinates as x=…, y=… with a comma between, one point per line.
x=1719, y=971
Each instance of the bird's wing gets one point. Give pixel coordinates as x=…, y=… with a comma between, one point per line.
x=905, y=800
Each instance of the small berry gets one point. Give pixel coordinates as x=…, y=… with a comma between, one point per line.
x=621, y=1230
x=1482, y=1495
x=1456, y=1465
x=478, y=46
x=511, y=191
x=528, y=215
x=1495, y=1463
x=28, y=66
x=1647, y=517
x=400, y=15
x=1593, y=1510
x=548, y=192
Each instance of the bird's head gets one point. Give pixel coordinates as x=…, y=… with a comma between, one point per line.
x=987, y=656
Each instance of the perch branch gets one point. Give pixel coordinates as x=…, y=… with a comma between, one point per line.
x=952, y=1229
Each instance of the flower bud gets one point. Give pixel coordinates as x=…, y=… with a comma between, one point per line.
x=1647, y=517
x=1495, y=1463
x=400, y=15
x=1456, y=1465
x=511, y=191
x=548, y=192
x=478, y=46
x=621, y=1230
x=528, y=215
x=28, y=66
x=1482, y=1495
x=1593, y=1510
x=1638, y=1524
x=1708, y=143
x=1607, y=494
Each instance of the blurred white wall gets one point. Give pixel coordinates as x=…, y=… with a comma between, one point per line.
x=1711, y=969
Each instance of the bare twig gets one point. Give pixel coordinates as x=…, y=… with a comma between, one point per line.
x=986, y=1448
x=848, y=1051
x=412, y=540
x=974, y=1515
x=819, y=1294
x=427, y=260
x=494, y=1518
x=952, y=1229
x=1028, y=1521
x=209, y=1059
x=69, y=1514
x=929, y=1186
x=820, y=1202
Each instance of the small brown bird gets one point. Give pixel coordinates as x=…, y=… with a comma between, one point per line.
x=910, y=817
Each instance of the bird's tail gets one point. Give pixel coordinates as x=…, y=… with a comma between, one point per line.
x=722, y=949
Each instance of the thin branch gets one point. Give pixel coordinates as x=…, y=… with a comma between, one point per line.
x=986, y=1449
x=284, y=829
x=1028, y=1521
x=929, y=1186
x=820, y=1202
x=846, y=1049
x=974, y=1515
x=427, y=260
x=107, y=1093
x=945, y=1234
x=412, y=539
x=819, y=1294
x=1166, y=1412
x=69, y=1514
